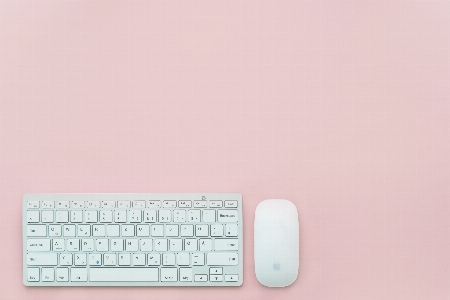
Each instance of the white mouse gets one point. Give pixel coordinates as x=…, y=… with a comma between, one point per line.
x=276, y=243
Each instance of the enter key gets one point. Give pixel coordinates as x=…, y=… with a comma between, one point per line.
x=226, y=245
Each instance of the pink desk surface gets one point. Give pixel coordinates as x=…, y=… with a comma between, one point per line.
x=342, y=107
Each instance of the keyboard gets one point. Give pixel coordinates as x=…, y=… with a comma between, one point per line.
x=132, y=239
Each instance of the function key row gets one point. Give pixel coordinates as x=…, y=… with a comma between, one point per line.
x=134, y=203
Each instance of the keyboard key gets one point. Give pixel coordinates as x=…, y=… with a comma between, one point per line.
x=127, y=230
x=138, y=204
x=124, y=259
x=69, y=230
x=215, y=277
x=139, y=259
x=190, y=245
x=169, y=274
x=123, y=204
x=215, y=271
x=179, y=215
x=150, y=216
x=216, y=230
x=106, y=216
x=171, y=230
x=84, y=230
x=48, y=204
x=222, y=259
x=62, y=204
x=47, y=216
x=233, y=277
x=215, y=204
x=184, y=203
x=33, y=204
x=165, y=216
x=58, y=245
x=93, y=204
x=134, y=216
x=201, y=277
x=157, y=230
x=160, y=245
x=62, y=274
x=117, y=245
x=131, y=245
x=87, y=245
x=154, y=259
x=169, y=203
x=73, y=245
x=36, y=230
x=38, y=245
x=193, y=215
x=227, y=216
x=98, y=230
x=185, y=274
x=205, y=244
x=146, y=244
x=33, y=274
x=95, y=259
x=76, y=216
x=62, y=216
x=112, y=230
x=231, y=230
x=176, y=244
x=109, y=259
x=48, y=274
x=80, y=259
x=77, y=204
x=123, y=274
x=78, y=274
x=65, y=259
x=33, y=216
x=200, y=204
x=201, y=230
x=101, y=245
x=154, y=203
x=230, y=204
x=198, y=259
x=54, y=230
x=209, y=216
x=168, y=259
x=183, y=259
x=143, y=230
x=90, y=216
x=187, y=230
x=108, y=204
x=42, y=259
x=120, y=216
x=226, y=245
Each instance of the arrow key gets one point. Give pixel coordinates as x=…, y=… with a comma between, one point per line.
x=231, y=277
x=215, y=277
x=201, y=277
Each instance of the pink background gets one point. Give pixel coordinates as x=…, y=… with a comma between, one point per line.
x=342, y=107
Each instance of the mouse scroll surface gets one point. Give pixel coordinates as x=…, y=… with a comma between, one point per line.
x=276, y=243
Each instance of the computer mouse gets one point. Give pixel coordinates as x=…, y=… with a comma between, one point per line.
x=276, y=243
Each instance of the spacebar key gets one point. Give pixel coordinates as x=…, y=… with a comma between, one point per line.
x=123, y=274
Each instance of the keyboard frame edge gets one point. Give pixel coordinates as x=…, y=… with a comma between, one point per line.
x=123, y=196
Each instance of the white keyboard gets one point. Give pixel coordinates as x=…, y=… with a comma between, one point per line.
x=132, y=240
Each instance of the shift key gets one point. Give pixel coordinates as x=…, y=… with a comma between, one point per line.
x=222, y=259
x=42, y=259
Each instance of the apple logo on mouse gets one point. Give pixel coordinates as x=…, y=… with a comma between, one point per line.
x=277, y=266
